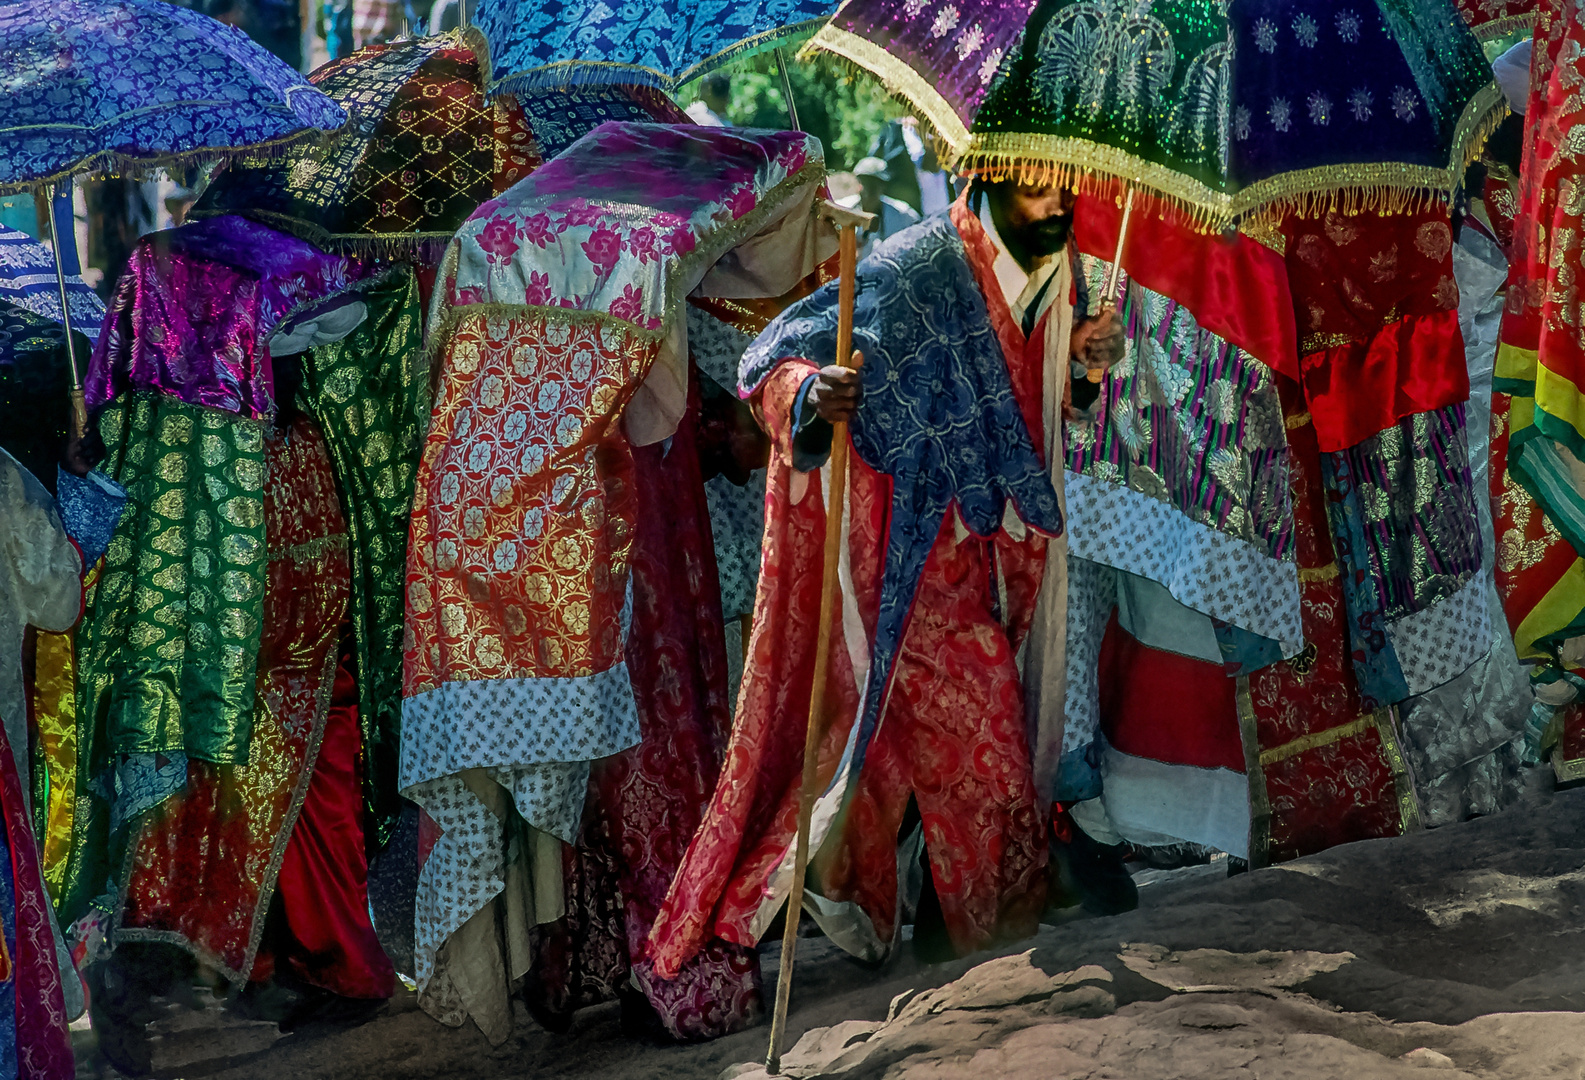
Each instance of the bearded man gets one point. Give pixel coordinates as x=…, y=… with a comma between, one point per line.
x=945, y=689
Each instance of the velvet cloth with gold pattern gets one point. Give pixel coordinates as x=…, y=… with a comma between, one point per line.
x=423, y=150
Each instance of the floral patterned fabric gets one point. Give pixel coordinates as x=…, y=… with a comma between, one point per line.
x=202, y=865
x=583, y=42
x=943, y=697
x=193, y=313
x=94, y=82
x=625, y=222
x=28, y=280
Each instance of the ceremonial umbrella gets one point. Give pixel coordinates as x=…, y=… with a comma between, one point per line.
x=663, y=43
x=1222, y=109
x=422, y=149
x=98, y=85
x=91, y=85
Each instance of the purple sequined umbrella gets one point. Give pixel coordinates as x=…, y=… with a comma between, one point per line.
x=89, y=85
x=97, y=85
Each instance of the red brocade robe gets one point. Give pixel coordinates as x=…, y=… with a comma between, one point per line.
x=952, y=732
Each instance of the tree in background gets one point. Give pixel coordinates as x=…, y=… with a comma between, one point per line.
x=842, y=108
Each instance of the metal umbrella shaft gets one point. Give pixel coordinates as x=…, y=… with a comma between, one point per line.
x=79, y=402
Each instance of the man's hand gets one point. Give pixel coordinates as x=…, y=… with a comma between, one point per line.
x=1098, y=341
x=835, y=393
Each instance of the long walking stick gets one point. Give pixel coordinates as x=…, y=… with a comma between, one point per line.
x=849, y=221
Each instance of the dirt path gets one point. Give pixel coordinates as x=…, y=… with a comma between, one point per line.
x=1333, y=966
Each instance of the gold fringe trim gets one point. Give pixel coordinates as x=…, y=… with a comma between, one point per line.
x=1501, y=28
x=1329, y=572
x=1088, y=167
x=470, y=37
x=1293, y=423
x=900, y=80
x=369, y=245
x=111, y=163
x=1317, y=739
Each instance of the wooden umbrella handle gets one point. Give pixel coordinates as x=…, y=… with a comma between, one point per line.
x=848, y=257
x=1095, y=375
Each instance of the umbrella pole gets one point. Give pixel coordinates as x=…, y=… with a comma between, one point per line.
x=79, y=403
x=850, y=222
x=1095, y=375
x=786, y=93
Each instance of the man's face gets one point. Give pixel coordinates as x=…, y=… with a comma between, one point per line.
x=1040, y=218
x=870, y=189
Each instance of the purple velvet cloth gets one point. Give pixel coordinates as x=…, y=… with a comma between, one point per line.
x=193, y=314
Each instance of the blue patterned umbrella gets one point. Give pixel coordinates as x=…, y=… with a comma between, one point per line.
x=94, y=85
x=541, y=43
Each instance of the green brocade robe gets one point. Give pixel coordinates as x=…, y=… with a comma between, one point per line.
x=169, y=644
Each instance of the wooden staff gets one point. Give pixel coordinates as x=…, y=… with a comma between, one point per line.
x=1095, y=375
x=850, y=222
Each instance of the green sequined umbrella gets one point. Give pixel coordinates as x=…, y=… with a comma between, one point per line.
x=1223, y=107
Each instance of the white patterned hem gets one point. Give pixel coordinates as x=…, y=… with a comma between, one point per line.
x=1438, y=644
x=466, y=868
x=1206, y=570
x=511, y=723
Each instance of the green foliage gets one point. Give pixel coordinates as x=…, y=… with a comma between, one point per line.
x=838, y=105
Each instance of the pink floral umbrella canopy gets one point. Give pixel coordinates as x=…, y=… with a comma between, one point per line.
x=632, y=217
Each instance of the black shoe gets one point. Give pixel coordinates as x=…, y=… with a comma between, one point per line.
x=120, y=1008
x=1097, y=873
x=640, y=1021
x=321, y=1008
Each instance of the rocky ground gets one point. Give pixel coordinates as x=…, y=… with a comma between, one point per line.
x=1460, y=950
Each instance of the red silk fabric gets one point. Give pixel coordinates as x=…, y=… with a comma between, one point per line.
x=1236, y=287
x=324, y=879
x=1160, y=705
x=1377, y=309
x=1365, y=386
